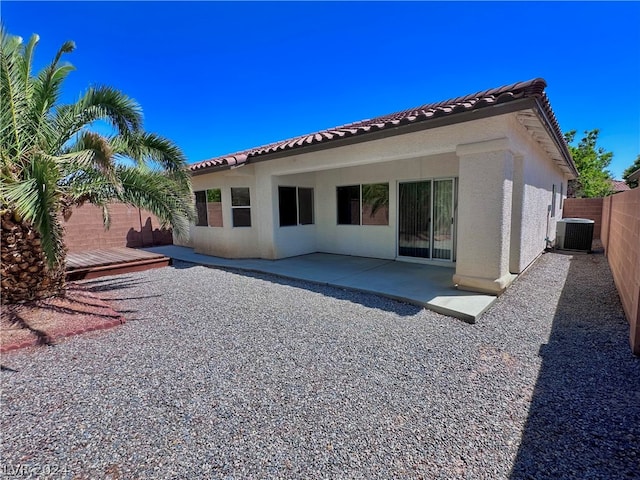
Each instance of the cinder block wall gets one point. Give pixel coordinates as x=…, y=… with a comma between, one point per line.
x=621, y=240
x=590, y=208
x=130, y=227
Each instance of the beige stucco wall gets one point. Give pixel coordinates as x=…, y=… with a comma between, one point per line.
x=227, y=241
x=372, y=240
x=535, y=223
x=417, y=155
x=505, y=183
x=505, y=200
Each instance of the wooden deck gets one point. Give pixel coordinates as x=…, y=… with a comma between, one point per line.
x=111, y=261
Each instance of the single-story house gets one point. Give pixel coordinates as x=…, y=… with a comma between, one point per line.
x=475, y=183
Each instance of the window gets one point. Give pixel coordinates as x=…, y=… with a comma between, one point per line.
x=201, y=208
x=209, y=208
x=214, y=207
x=305, y=206
x=375, y=204
x=561, y=194
x=240, y=207
x=287, y=206
x=295, y=206
x=553, y=200
x=370, y=208
x=349, y=205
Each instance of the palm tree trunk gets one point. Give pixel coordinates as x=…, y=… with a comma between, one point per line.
x=24, y=271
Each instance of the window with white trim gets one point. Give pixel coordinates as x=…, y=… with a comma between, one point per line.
x=366, y=204
x=241, y=206
x=295, y=205
x=209, y=208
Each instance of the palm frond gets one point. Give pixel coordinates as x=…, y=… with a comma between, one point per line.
x=103, y=103
x=36, y=198
x=27, y=62
x=47, y=88
x=14, y=105
x=94, y=151
x=155, y=192
x=156, y=152
x=113, y=106
x=51, y=160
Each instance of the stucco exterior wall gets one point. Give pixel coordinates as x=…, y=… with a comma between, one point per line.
x=228, y=241
x=299, y=239
x=412, y=156
x=484, y=215
x=504, y=196
x=372, y=240
x=538, y=221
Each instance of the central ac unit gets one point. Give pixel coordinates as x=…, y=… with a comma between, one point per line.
x=574, y=234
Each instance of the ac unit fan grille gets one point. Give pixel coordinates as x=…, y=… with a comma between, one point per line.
x=578, y=236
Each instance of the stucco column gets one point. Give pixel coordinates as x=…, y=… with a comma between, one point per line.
x=267, y=202
x=517, y=215
x=484, y=216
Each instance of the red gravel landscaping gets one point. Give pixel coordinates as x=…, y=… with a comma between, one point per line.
x=44, y=322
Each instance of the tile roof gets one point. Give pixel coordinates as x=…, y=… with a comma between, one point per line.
x=620, y=186
x=532, y=89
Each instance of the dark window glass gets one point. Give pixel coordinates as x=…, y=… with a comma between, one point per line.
x=305, y=206
x=214, y=207
x=241, y=217
x=375, y=204
x=287, y=206
x=349, y=205
x=240, y=197
x=553, y=200
x=201, y=208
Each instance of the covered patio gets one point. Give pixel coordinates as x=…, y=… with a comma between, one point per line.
x=428, y=286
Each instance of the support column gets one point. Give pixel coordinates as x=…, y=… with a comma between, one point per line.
x=265, y=214
x=484, y=216
x=517, y=215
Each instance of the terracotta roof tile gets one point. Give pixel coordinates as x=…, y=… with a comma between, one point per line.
x=530, y=89
x=620, y=186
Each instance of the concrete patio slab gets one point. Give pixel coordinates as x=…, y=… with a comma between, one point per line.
x=428, y=286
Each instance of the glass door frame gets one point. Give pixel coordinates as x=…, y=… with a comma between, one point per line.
x=454, y=210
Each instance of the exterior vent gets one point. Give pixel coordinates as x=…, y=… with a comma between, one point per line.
x=574, y=234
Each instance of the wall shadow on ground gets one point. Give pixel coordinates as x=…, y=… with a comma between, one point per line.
x=584, y=418
x=147, y=236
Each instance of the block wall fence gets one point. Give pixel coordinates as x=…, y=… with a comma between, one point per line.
x=130, y=227
x=621, y=241
x=590, y=208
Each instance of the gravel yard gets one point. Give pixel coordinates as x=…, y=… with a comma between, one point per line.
x=221, y=375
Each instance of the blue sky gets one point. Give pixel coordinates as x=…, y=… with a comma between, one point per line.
x=222, y=77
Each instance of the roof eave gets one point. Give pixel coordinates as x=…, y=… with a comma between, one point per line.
x=452, y=119
x=555, y=134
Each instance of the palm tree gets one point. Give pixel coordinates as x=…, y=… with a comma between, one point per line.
x=51, y=161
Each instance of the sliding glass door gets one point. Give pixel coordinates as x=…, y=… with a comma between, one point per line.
x=414, y=219
x=443, y=219
x=425, y=219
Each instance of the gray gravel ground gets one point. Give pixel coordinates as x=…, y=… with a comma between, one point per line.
x=221, y=375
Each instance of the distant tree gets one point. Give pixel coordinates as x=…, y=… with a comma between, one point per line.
x=629, y=171
x=594, y=179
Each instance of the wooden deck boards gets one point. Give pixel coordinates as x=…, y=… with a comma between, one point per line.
x=110, y=261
